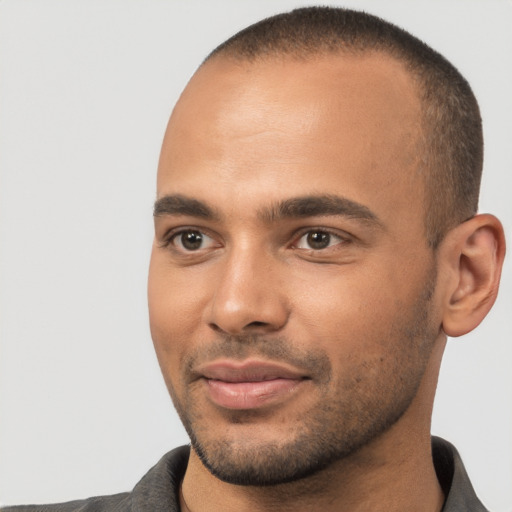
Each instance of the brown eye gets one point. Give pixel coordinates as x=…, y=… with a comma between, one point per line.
x=192, y=240
x=318, y=239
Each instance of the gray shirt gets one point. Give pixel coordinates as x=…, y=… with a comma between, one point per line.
x=158, y=491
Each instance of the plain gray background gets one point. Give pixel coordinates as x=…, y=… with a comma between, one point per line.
x=85, y=92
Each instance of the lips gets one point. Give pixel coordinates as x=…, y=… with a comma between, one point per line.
x=249, y=384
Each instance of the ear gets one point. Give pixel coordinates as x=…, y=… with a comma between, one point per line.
x=473, y=252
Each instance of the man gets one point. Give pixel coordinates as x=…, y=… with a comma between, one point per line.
x=316, y=240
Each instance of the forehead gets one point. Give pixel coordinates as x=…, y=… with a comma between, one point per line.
x=283, y=125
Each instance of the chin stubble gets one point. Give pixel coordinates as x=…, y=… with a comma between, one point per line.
x=367, y=402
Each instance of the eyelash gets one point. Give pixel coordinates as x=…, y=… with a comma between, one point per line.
x=343, y=239
x=172, y=235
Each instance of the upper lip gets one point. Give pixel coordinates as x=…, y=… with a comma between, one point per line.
x=248, y=371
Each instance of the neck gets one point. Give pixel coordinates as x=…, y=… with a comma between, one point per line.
x=394, y=472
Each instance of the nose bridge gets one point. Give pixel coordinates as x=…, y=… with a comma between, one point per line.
x=247, y=296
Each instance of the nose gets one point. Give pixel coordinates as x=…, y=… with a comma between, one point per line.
x=249, y=298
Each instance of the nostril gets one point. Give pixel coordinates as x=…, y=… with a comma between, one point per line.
x=250, y=326
x=256, y=324
x=215, y=327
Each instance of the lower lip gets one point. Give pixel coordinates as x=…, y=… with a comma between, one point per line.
x=250, y=395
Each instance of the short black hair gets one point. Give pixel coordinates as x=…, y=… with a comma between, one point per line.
x=452, y=145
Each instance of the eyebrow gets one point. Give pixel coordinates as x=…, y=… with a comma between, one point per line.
x=295, y=207
x=182, y=205
x=320, y=206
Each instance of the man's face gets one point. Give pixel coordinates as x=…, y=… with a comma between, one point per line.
x=291, y=286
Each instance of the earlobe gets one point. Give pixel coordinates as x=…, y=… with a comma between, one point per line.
x=475, y=251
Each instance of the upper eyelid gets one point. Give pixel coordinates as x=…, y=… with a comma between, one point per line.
x=340, y=233
x=166, y=239
x=167, y=236
x=173, y=231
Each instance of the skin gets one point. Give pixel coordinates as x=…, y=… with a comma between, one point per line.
x=361, y=319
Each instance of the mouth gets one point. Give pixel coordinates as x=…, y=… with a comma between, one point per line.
x=249, y=384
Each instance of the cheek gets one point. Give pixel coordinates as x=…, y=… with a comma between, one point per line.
x=175, y=311
x=343, y=302
x=362, y=318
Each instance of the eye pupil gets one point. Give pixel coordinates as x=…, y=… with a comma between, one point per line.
x=318, y=239
x=191, y=240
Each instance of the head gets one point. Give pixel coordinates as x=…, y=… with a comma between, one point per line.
x=314, y=190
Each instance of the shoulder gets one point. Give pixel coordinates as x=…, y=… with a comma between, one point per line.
x=157, y=491
x=96, y=504
x=454, y=479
